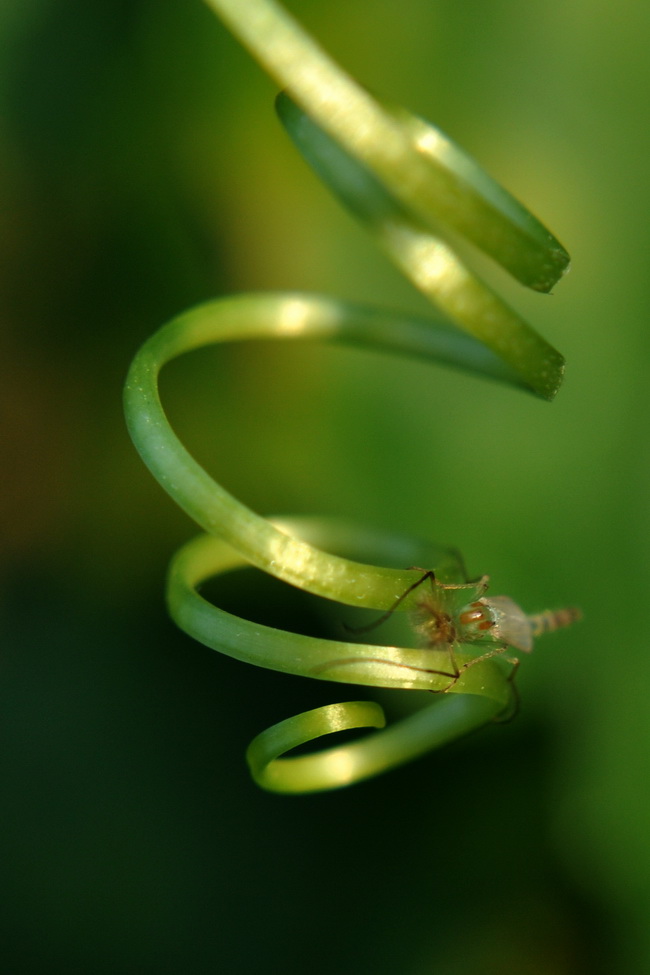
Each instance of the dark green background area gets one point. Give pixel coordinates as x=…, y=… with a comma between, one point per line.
x=142, y=170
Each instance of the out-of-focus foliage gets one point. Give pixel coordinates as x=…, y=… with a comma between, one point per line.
x=142, y=170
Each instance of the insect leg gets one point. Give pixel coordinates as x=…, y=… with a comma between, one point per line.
x=514, y=662
x=427, y=574
x=516, y=700
x=487, y=656
x=393, y=663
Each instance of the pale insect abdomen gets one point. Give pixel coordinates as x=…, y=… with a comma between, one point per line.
x=553, y=619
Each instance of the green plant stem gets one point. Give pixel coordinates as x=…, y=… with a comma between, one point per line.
x=428, y=261
x=403, y=178
x=354, y=140
x=427, y=172
x=351, y=663
x=480, y=695
x=280, y=316
x=334, y=768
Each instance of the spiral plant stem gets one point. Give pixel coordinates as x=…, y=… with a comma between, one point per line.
x=403, y=179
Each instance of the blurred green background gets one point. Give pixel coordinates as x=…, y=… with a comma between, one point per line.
x=142, y=170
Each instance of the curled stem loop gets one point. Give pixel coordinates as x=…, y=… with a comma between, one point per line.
x=403, y=179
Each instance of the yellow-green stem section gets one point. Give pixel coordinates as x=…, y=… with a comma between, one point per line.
x=433, y=178
x=432, y=727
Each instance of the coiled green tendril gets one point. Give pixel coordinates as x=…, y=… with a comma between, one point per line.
x=404, y=179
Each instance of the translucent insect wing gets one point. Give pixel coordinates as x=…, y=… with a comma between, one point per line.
x=511, y=625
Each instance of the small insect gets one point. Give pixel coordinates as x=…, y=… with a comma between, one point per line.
x=495, y=619
x=445, y=620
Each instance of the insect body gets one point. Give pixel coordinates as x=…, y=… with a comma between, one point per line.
x=453, y=616
x=496, y=620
